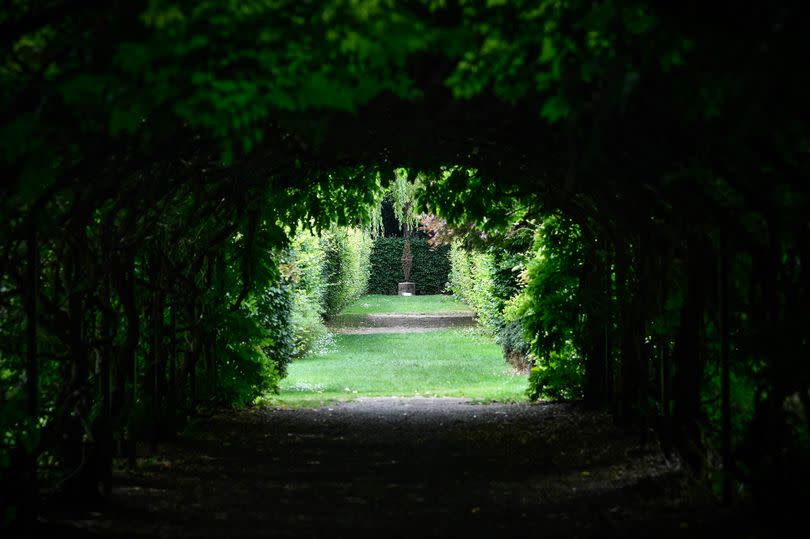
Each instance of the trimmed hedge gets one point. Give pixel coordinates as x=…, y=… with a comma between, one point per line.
x=345, y=268
x=430, y=266
x=487, y=281
x=275, y=311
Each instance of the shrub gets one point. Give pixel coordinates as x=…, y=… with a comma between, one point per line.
x=558, y=376
x=306, y=321
x=302, y=268
x=515, y=347
x=275, y=312
x=430, y=271
x=346, y=267
x=550, y=310
x=460, y=277
x=487, y=282
x=324, y=274
x=253, y=349
x=471, y=280
x=359, y=268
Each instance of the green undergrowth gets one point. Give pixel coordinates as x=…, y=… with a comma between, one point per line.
x=446, y=363
x=382, y=304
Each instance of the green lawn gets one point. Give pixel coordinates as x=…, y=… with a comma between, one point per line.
x=447, y=363
x=377, y=304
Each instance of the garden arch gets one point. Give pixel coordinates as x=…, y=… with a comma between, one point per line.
x=166, y=133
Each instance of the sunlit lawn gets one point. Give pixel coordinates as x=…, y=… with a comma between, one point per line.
x=377, y=304
x=446, y=363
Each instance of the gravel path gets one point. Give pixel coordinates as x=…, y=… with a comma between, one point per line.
x=415, y=467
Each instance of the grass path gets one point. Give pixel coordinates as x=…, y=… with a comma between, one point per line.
x=441, y=363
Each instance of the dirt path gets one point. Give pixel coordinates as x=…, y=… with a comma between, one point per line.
x=408, y=468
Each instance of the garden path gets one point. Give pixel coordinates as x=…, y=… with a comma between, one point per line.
x=415, y=467
x=406, y=467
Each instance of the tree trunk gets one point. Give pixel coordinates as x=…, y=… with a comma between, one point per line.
x=630, y=338
x=31, y=291
x=79, y=452
x=171, y=395
x=725, y=375
x=23, y=476
x=688, y=366
x=593, y=285
x=156, y=365
x=125, y=287
x=104, y=434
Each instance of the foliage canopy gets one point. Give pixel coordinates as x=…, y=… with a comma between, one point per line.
x=155, y=152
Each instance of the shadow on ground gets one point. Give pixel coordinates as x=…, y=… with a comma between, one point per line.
x=407, y=467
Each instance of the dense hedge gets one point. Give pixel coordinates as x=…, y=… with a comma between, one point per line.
x=345, y=269
x=430, y=266
x=274, y=308
x=487, y=282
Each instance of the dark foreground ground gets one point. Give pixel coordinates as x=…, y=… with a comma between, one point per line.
x=407, y=468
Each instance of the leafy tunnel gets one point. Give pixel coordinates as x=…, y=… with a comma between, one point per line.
x=157, y=154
